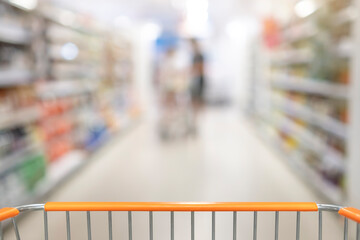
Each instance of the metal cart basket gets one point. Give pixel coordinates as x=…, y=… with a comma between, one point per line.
x=352, y=214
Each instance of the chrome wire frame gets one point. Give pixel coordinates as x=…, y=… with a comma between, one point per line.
x=321, y=208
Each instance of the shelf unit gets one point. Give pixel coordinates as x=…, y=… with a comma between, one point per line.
x=15, y=77
x=76, y=49
x=64, y=104
x=307, y=114
x=310, y=78
x=295, y=159
x=13, y=34
x=14, y=160
x=18, y=108
x=311, y=86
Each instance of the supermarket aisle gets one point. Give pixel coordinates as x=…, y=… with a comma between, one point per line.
x=227, y=162
x=226, y=156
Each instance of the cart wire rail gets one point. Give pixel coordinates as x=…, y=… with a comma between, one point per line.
x=193, y=207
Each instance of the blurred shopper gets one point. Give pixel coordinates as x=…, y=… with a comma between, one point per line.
x=176, y=111
x=198, y=75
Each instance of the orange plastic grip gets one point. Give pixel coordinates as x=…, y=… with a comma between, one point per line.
x=166, y=206
x=6, y=213
x=351, y=213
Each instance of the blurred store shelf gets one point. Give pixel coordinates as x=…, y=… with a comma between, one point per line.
x=56, y=67
x=310, y=86
x=311, y=141
x=19, y=117
x=345, y=48
x=314, y=117
x=65, y=88
x=12, y=161
x=14, y=77
x=299, y=32
x=63, y=167
x=57, y=173
x=330, y=191
x=292, y=57
x=296, y=159
x=13, y=34
x=346, y=15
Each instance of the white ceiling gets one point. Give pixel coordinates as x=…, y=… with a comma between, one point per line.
x=165, y=12
x=108, y=10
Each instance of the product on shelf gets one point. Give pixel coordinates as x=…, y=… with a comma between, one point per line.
x=64, y=89
x=32, y=171
x=311, y=119
x=302, y=91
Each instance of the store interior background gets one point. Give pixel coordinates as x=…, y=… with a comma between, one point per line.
x=77, y=76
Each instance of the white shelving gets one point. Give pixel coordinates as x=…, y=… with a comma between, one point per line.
x=346, y=15
x=11, y=33
x=299, y=32
x=68, y=163
x=323, y=121
x=318, y=120
x=292, y=57
x=345, y=48
x=55, y=101
x=16, y=159
x=13, y=77
x=295, y=159
x=327, y=189
x=65, y=88
x=20, y=117
x=63, y=169
x=310, y=141
x=56, y=174
x=307, y=85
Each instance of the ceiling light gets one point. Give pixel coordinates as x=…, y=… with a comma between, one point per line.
x=305, y=8
x=152, y=30
x=197, y=14
x=24, y=4
x=234, y=29
x=69, y=51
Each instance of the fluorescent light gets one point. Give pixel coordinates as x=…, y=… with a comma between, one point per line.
x=305, y=8
x=69, y=51
x=241, y=29
x=196, y=22
x=234, y=29
x=25, y=4
x=151, y=30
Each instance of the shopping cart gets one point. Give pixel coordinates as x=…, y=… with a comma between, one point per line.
x=177, y=119
x=9, y=214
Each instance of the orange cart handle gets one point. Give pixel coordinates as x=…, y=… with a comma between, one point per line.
x=179, y=206
x=6, y=213
x=351, y=213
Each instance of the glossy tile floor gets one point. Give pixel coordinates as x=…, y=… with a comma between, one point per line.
x=225, y=162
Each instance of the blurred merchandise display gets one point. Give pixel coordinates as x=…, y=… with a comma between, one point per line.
x=308, y=84
x=66, y=87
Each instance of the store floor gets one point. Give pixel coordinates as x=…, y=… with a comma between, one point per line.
x=225, y=162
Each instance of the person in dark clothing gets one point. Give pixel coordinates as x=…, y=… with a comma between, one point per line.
x=197, y=85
